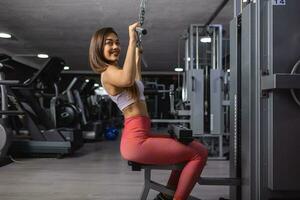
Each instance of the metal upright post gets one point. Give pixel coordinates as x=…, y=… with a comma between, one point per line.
x=235, y=101
x=197, y=47
x=185, y=75
x=187, y=56
x=192, y=47
x=216, y=82
x=213, y=48
x=237, y=7
x=219, y=46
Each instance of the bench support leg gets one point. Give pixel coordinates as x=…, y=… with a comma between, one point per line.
x=146, y=189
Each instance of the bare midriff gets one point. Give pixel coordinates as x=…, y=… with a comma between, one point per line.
x=138, y=108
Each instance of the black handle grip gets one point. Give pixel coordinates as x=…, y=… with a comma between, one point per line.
x=141, y=30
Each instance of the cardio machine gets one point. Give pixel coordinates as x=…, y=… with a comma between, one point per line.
x=5, y=129
x=42, y=137
x=91, y=130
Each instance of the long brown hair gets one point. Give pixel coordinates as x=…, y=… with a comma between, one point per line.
x=97, y=60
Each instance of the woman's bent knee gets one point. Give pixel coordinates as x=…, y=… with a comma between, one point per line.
x=200, y=148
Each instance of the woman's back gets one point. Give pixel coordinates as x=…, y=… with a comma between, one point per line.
x=127, y=105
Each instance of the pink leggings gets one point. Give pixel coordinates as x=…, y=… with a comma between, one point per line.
x=139, y=145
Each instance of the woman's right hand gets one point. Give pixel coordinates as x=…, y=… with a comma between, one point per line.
x=132, y=32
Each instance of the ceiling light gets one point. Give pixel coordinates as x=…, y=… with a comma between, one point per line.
x=87, y=80
x=178, y=69
x=5, y=35
x=96, y=84
x=206, y=39
x=41, y=55
x=66, y=67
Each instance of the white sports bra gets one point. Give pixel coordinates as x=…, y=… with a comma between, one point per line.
x=123, y=99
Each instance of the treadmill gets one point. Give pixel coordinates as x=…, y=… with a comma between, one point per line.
x=43, y=137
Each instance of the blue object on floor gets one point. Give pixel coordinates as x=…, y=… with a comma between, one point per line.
x=111, y=133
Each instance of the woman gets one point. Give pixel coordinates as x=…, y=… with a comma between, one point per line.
x=125, y=88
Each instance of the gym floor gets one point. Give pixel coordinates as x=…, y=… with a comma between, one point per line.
x=95, y=172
